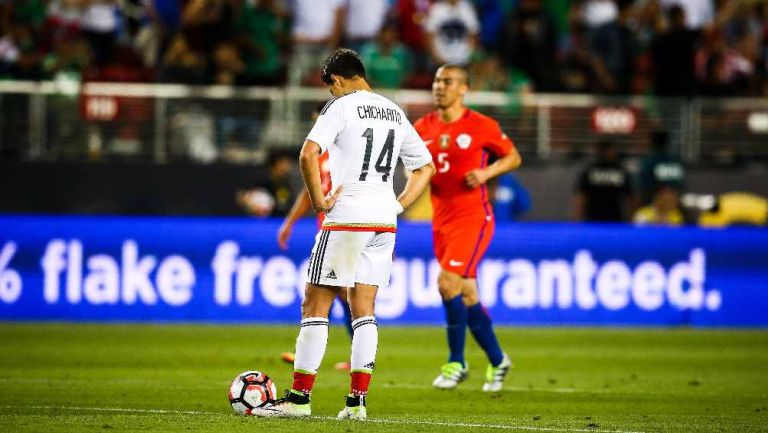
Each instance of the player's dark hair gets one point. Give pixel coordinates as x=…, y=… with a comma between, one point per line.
x=344, y=63
x=457, y=67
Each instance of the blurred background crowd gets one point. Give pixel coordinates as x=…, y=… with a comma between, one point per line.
x=662, y=47
x=650, y=131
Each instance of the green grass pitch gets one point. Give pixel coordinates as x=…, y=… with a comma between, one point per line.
x=174, y=378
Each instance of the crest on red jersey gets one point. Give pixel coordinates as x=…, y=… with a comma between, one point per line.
x=445, y=140
x=463, y=141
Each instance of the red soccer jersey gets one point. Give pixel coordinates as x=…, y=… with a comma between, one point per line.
x=458, y=148
x=325, y=173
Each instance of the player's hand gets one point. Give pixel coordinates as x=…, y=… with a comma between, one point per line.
x=476, y=178
x=330, y=199
x=284, y=235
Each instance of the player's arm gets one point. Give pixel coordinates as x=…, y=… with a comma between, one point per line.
x=310, y=172
x=299, y=208
x=322, y=135
x=506, y=163
x=416, y=184
x=416, y=159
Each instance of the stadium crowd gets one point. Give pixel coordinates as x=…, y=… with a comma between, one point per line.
x=663, y=47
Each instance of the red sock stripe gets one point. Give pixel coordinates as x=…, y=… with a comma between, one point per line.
x=303, y=382
x=360, y=382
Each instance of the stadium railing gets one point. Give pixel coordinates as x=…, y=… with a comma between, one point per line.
x=163, y=122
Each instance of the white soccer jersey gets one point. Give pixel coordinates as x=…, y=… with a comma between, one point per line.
x=364, y=134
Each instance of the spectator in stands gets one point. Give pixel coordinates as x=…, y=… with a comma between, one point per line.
x=387, y=61
x=604, y=188
x=181, y=64
x=707, y=47
x=9, y=50
x=528, y=42
x=158, y=21
x=729, y=52
x=68, y=61
x=316, y=31
x=660, y=167
x=580, y=71
x=726, y=73
x=673, y=56
x=613, y=43
x=647, y=21
x=491, y=16
x=740, y=19
x=263, y=26
x=664, y=210
x=488, y=74
x=63, y=22
x=19, y=55
x=275, y=196
x=126, y=66
x=207, y=23
x=27, y=12
x=363, y=20
x=21, y=23
x=410, y=16
x=698, y=13
x=452, y=32
x=229, y=66
x=596, y=13
x=98, y=24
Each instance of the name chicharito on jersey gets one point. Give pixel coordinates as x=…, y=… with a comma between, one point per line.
x=380, y=113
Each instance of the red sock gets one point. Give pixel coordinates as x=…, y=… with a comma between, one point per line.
x=360, y=382
x=303, y=382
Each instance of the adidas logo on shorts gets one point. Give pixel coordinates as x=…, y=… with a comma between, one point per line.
x=331, y=275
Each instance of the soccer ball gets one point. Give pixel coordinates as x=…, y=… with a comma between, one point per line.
x=250, y=390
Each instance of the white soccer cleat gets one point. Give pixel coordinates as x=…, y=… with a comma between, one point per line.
x=494, y=376
x=292, y=406
x=354, y=409
x=451, y=374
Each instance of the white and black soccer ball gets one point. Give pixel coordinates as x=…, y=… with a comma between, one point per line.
x=250, y=390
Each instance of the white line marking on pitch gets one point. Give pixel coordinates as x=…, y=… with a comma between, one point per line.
x=116, y=409
x=506, y=388
x=496, y=426
x=328, y=418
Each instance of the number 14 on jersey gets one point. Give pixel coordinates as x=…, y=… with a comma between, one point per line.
x=386, y=152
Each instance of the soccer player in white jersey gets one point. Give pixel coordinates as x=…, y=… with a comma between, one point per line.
x=364, y=134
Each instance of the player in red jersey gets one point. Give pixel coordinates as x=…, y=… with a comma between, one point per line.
x=300, y=208
x=461, y=141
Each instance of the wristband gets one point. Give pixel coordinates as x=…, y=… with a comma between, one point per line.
x=398, y=207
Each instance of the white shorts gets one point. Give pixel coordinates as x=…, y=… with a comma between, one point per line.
x=343, y=258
